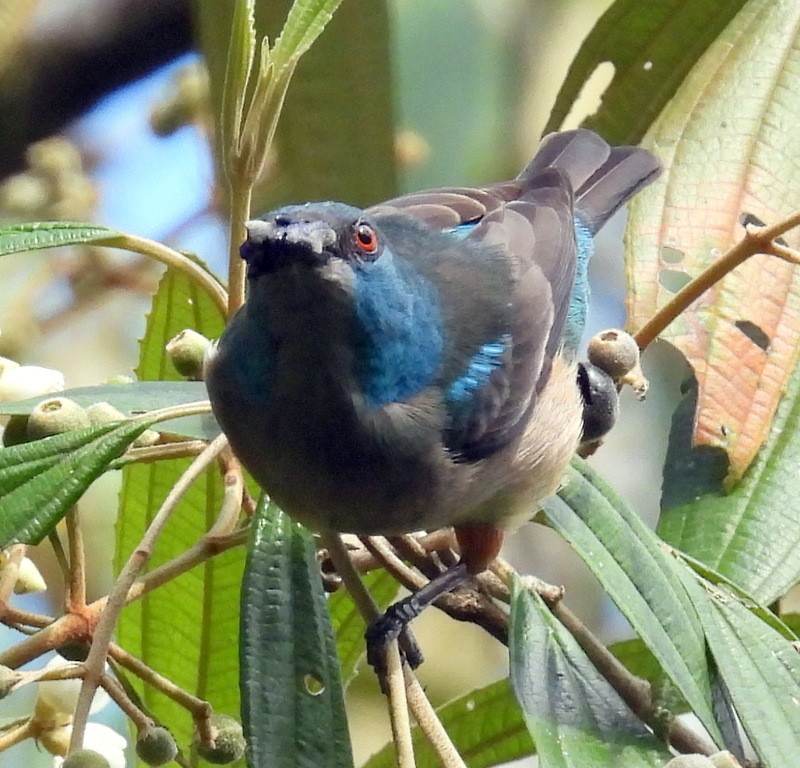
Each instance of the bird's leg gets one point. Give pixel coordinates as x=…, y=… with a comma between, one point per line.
x=393, y=623
x=479, y=543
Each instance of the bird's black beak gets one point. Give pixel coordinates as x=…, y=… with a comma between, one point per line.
x=277, y=242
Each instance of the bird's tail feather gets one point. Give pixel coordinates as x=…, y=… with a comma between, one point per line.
x=603, y=178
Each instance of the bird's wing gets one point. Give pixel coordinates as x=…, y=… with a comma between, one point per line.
x=602, y=178
x=491, y=402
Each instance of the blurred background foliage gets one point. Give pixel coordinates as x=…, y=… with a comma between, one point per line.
x=462, y=98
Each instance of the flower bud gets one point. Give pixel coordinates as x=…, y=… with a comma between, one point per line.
x=229, y=743
x=6, y=364
x=85, y=758
x=26, y=381
x=156, y=746
x=54, y=416
x=28, y=578
x=62, y=695
x=187, y=351
x=724, y=759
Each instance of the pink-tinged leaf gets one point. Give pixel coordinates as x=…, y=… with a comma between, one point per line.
x=730, y=148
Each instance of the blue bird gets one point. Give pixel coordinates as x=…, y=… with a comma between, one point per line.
x=411, y=365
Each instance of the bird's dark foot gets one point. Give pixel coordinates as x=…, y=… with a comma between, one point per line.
x=393, y=625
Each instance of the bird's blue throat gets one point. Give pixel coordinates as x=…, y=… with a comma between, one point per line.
x=399, y=320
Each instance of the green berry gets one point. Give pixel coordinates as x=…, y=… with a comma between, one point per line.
x=156, y=746
x=229, y=743
x=614, y=351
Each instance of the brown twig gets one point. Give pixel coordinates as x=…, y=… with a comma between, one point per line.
x=119, y=696
x=61, y=559
x=756, y=240
x=16, y=734
x=198, y=708
x=76, y=587
x=117, y=598
x=54, y=632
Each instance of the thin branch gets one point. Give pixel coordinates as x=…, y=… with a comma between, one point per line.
x=61, y=558
x=240, y=198
x=16, y=734
x=430, y=723
x=634, y=691
x=119, y=696
x=197, y=707
x=394, y=683
x=395, y=687
x=162, y=451
x=386, y=556
x=175, y=259
x=76, y=588
x=413, y=695
x=756, y=240
x=117, y=598
x=54, y=632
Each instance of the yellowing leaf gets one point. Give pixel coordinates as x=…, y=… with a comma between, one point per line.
x=730, y=148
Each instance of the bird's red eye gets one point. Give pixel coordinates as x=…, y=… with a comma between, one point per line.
x=366, y=239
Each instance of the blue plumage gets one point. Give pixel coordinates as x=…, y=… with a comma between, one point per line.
x=402, y=336
x=401, y=367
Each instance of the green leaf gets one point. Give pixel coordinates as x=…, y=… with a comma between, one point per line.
x=752, y=534
x=304, y=24
x=632, y=567
x=349, y=627
x=241, y=52
x=761, y=670
x=42, y=480
x=187, y=629
x=325, y=150
x=293, y=708
x=669, y=37
x=50, y=234
x=138, y=397
x=573, y=714
x=486, y=727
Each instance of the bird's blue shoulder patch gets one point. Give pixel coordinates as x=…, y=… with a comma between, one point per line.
x=401, y=329
x=480, y=367
x=462, y=230
x=579, y=301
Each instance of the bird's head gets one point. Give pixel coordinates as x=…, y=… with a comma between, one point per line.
x=322, y=236
x=330, y=271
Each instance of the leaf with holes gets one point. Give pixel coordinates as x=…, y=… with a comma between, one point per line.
x=348, y=625
x=292, y=702
x=649, y=48
x=750, y=535
x=729, y=156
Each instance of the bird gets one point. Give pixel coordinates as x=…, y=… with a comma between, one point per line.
x=413, y=365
